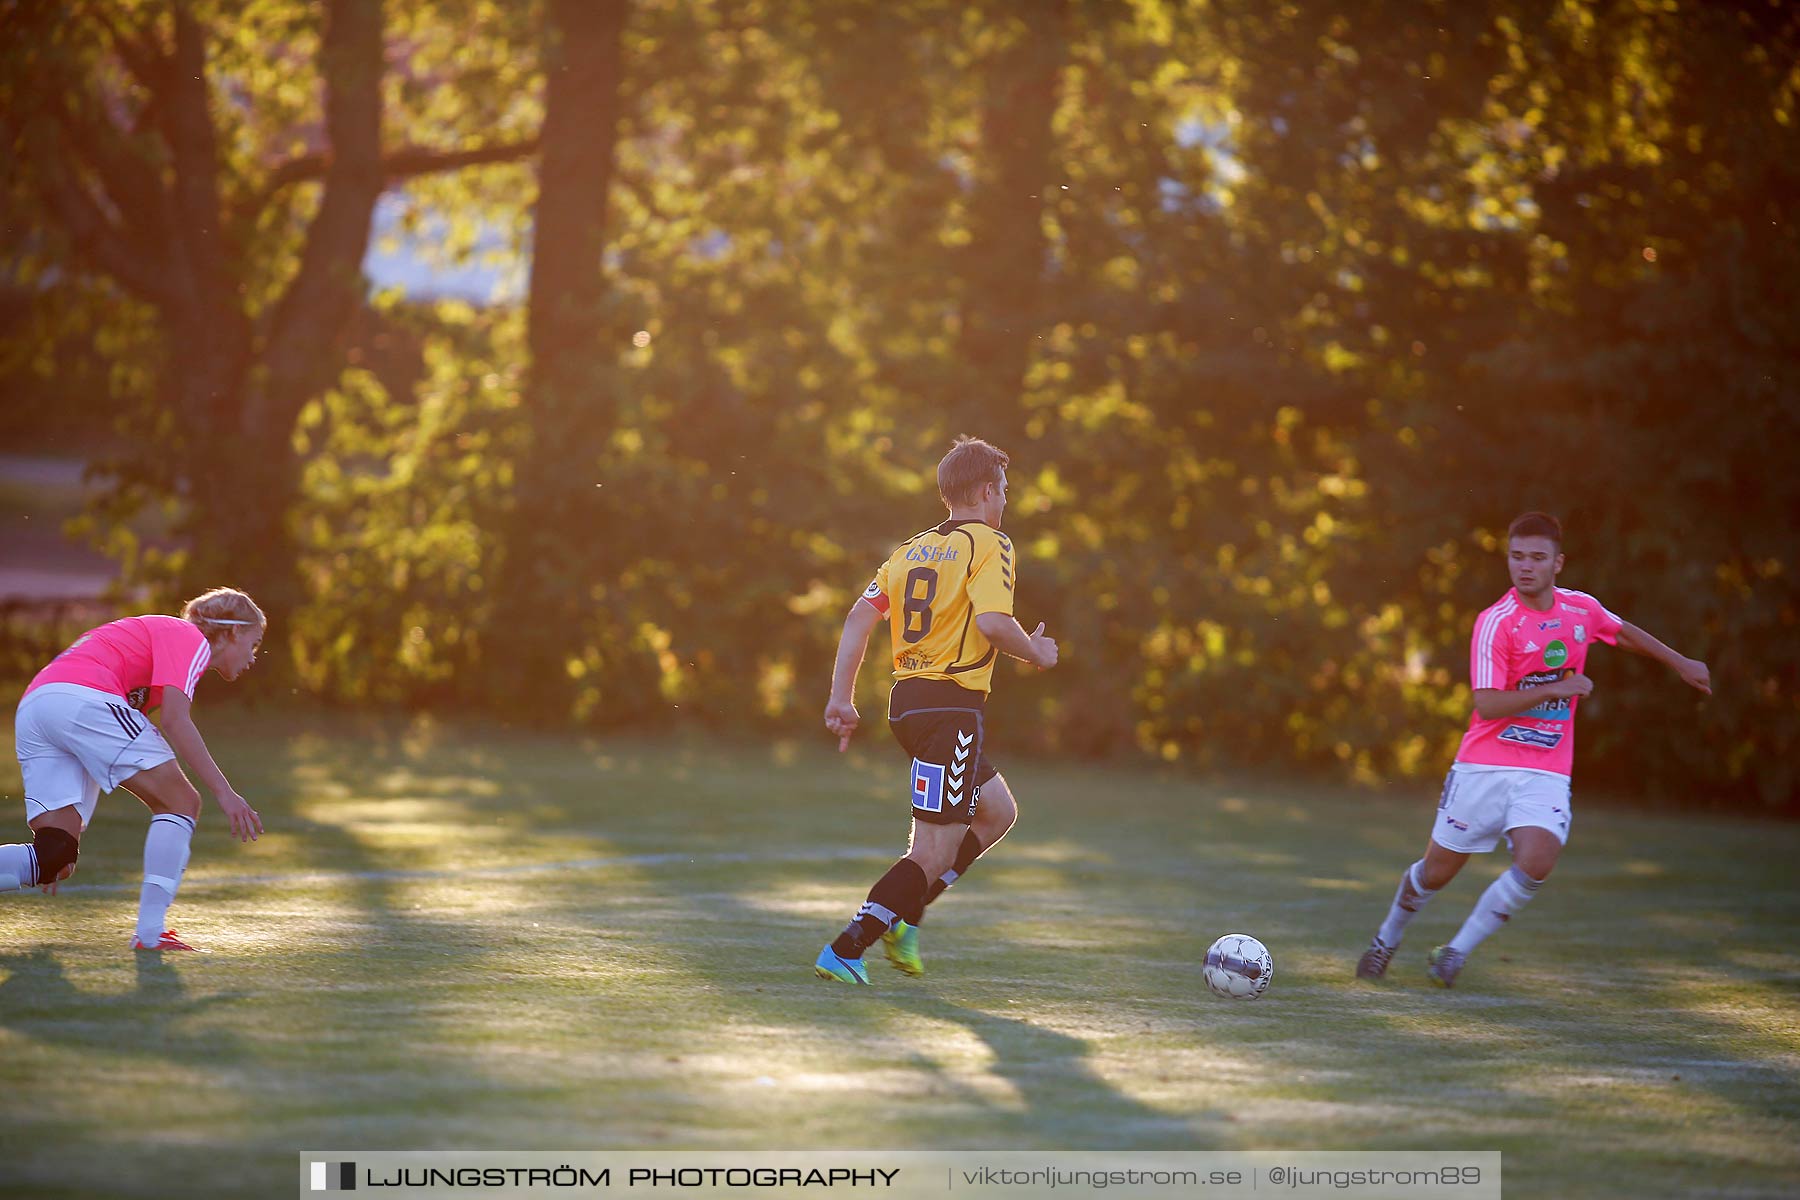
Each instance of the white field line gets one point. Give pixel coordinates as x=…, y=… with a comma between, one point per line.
x=315, y=878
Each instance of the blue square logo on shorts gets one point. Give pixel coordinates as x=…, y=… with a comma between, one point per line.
x=927, y=786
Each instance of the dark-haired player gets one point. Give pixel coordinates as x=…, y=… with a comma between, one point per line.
x=1511, y=775
x=947, y=595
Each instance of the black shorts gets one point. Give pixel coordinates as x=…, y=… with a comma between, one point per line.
x=940, y=724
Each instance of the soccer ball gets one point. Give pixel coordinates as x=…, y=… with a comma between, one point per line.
x=1238, y=967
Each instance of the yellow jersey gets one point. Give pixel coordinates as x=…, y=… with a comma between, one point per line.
x=931, y=590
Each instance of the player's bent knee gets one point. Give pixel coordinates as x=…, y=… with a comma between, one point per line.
x=1436, y=880
x=1005, y=812
x=1537, y=869
x=1535, y=852
x=991, y=826
x=56, y=852
x=997, y=806
x=186, y=804
x=165, y=789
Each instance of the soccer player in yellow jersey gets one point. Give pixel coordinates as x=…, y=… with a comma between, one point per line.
x=947, y=596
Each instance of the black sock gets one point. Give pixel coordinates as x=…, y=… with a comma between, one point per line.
x=901, y=890
x=966, y=854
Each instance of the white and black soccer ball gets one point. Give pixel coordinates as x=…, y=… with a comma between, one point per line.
x=1238, y=967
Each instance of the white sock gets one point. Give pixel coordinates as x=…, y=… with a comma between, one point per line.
x=1504, y=897
x=18, y=867
x=165, y=858
x=1409, y=898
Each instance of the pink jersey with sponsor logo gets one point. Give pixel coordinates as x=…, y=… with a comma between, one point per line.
x=1516, y=647
x=135, y=658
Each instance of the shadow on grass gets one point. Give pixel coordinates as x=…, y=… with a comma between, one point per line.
x=1029, y=1085
x=37, y=1000
x=1052, y=1075
x=1643, y=953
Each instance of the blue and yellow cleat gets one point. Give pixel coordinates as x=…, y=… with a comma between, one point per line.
x=832, y=965
x=902, y=946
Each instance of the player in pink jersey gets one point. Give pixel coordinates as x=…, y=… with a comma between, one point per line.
x=81, y=729
x=1511, y=775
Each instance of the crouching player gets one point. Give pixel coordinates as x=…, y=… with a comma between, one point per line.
x=81, y=729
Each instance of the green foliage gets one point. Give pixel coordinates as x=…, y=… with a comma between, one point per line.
x=397, y=495
x=1552, y=245
x=1282, y=311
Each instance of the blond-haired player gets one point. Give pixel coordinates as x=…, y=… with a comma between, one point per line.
x=947, y=596
x=82, y=729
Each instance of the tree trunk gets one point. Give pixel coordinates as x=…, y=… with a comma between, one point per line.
x=1003, y=272
x=244, y=499
x=241, y=406
x=554, y=545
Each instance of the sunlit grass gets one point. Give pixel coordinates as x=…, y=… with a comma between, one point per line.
x=510, y=941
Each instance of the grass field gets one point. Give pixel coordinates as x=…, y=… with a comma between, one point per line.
x=451, y=938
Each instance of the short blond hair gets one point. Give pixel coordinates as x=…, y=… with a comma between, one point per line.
x=970, y=463
x=221, y=610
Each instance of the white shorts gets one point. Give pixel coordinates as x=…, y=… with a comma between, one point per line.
x=1480, y=804
x=75, y=742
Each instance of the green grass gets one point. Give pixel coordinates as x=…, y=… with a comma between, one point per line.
x=402, y=964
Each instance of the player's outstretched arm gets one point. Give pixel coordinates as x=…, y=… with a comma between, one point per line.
x=178, y=726
x=1693, y=672
x=841, y=716
x=1010, y=637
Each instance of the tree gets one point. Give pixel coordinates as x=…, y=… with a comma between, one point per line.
x=1020, y=58
x=1535, y=236
x=558, y=546
x=179, y=178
